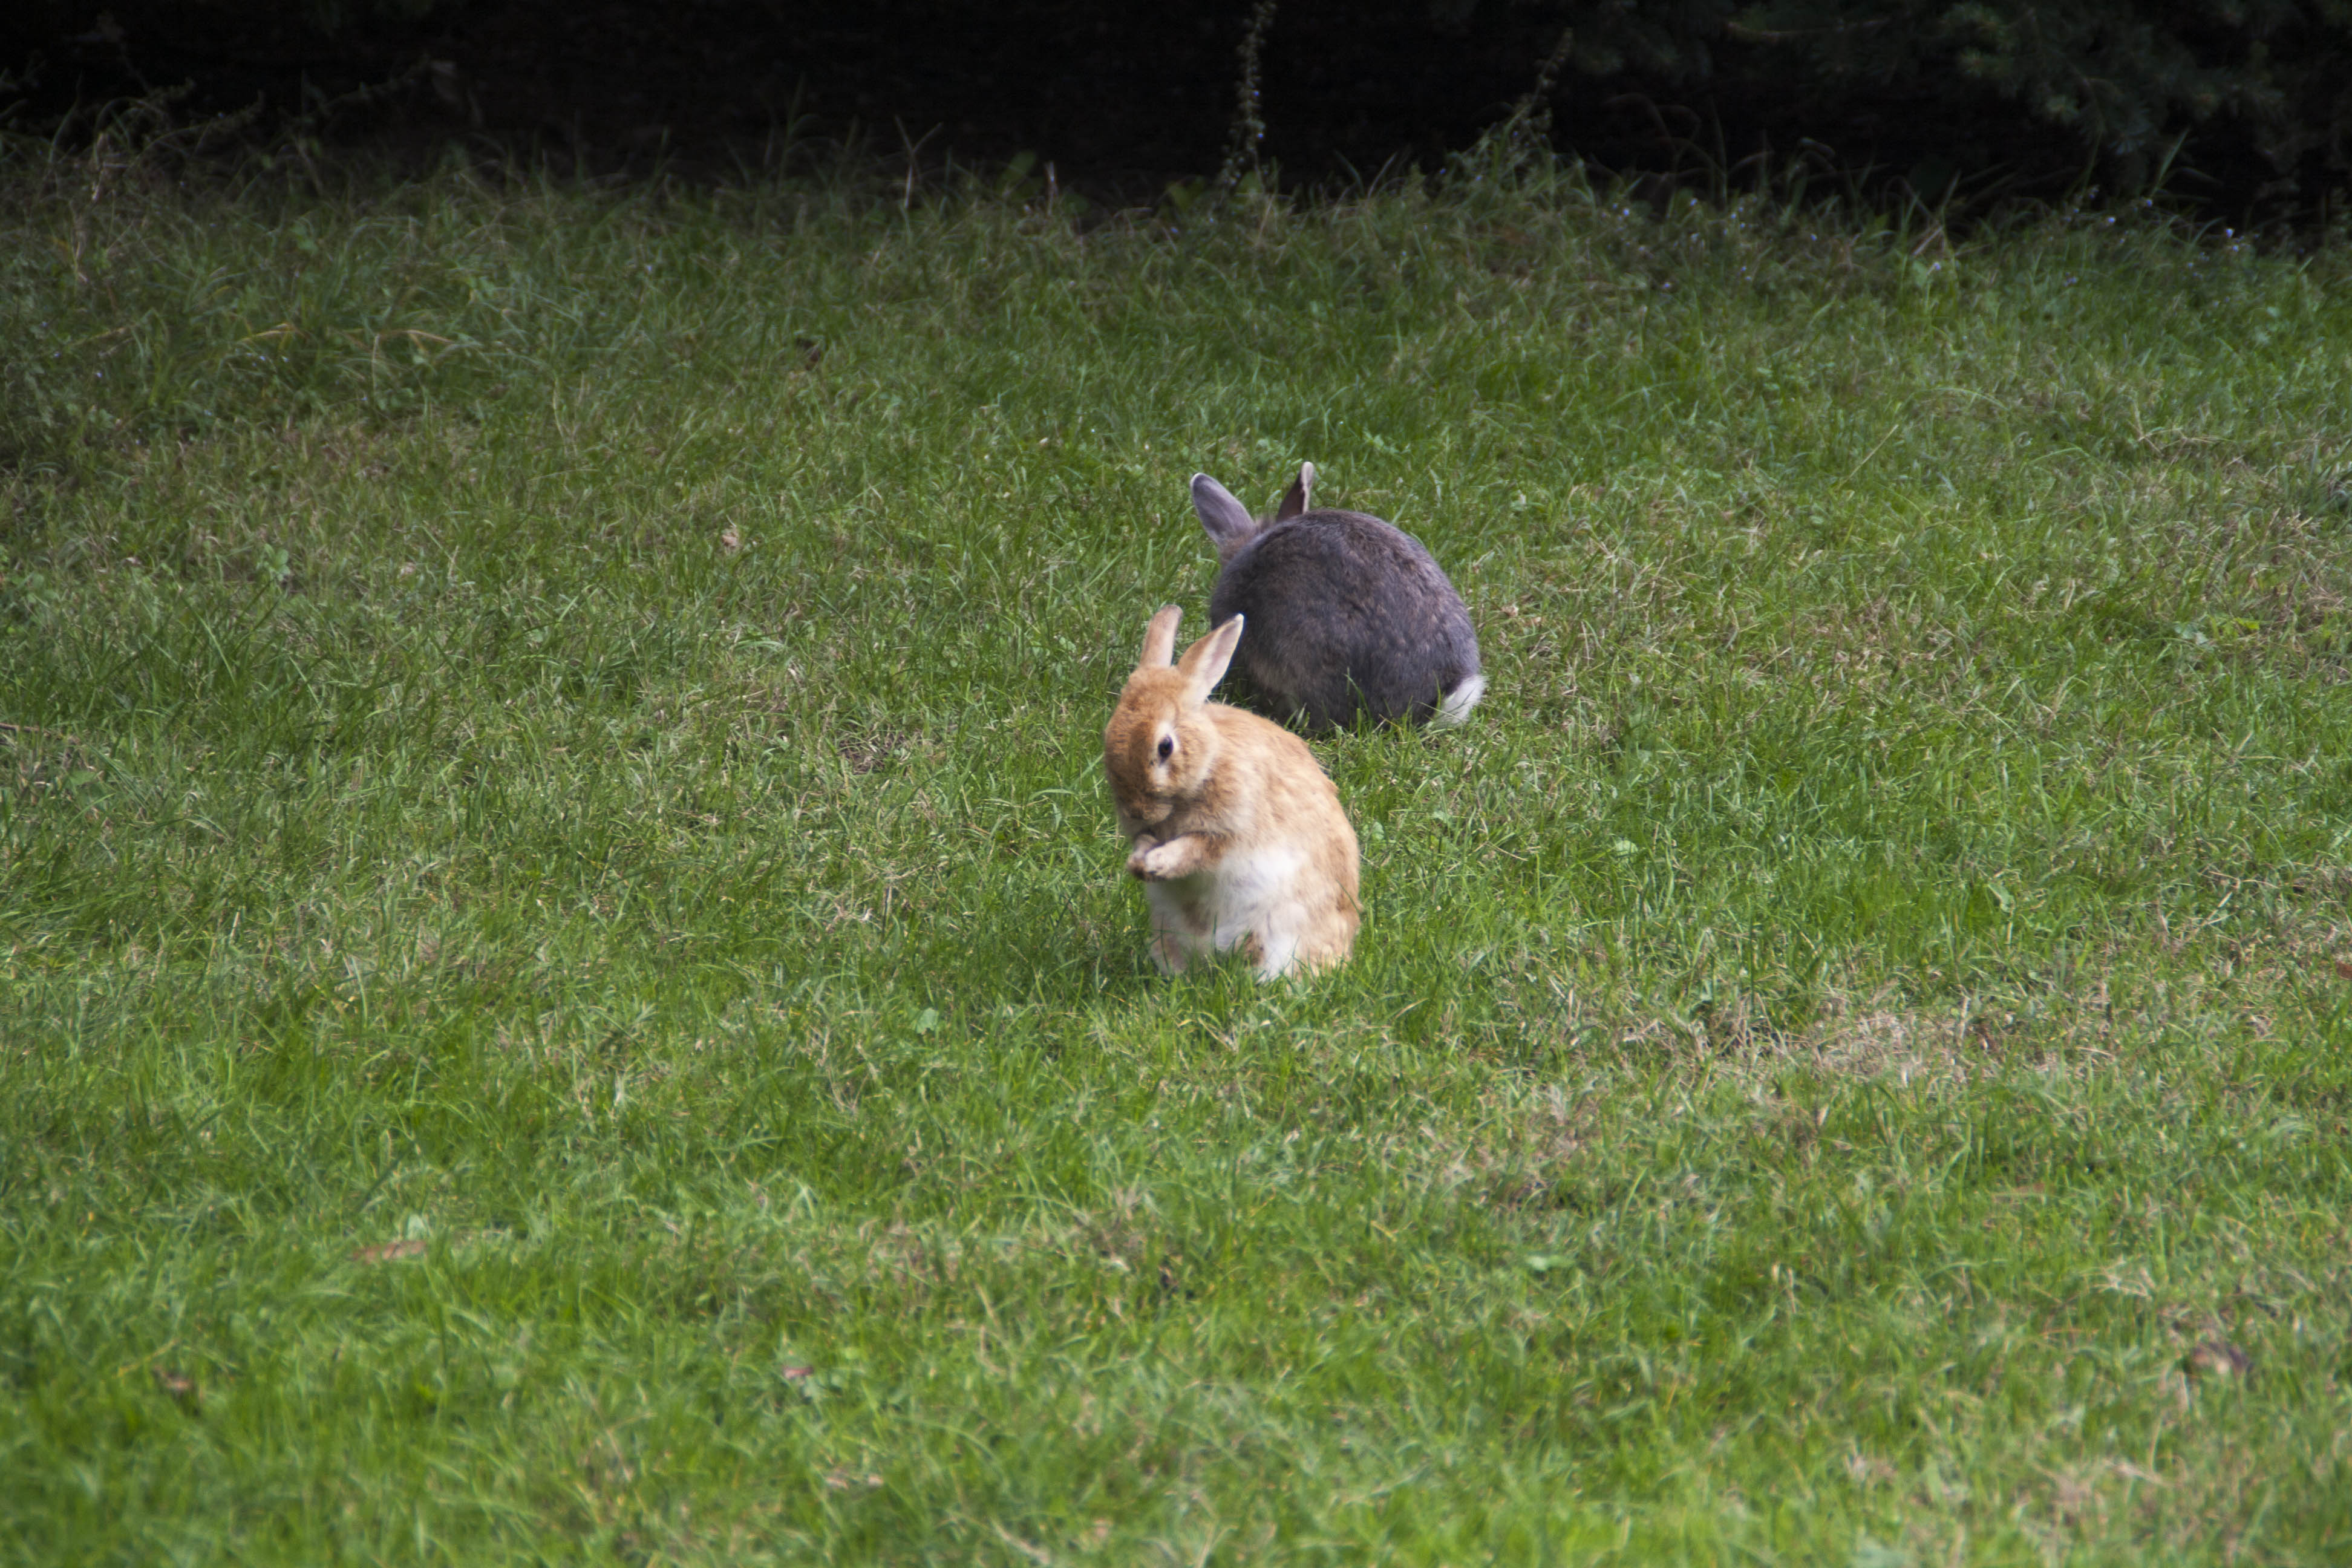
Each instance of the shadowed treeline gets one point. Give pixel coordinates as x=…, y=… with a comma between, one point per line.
x=2239, y=110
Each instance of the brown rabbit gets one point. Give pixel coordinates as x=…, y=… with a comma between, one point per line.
x=1239, y=835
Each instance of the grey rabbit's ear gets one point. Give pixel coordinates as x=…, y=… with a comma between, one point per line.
x=1299, y=498
x=1228, y=521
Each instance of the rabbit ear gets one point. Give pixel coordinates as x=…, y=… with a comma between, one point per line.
x=1228, y=521
x=1160, y=640
x=1204, y=662
x=1297, y=498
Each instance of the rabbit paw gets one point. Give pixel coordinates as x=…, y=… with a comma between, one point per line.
x=1139, y=863
x=1166, y=860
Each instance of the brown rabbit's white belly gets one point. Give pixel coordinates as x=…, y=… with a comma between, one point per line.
x=1256, y=899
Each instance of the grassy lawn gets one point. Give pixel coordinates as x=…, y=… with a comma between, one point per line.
x=566, y=992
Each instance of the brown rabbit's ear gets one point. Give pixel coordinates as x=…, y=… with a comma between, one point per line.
x=1228, y=521
x=1160, y=640
x=1299, y=498
x=1204, y=662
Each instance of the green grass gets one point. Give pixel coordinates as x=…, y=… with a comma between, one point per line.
x=568, y=992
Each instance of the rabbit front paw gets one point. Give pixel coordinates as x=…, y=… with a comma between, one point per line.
x=1139, y=863
x=1155, y=860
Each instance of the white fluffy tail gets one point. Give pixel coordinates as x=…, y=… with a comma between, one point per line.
x=1458, y=702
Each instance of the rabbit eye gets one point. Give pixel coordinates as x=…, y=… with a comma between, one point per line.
x=1167, y=747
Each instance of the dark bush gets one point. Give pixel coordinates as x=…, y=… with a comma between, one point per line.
x=2245, y=108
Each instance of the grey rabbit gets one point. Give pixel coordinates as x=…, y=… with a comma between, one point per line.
x=1347, y=614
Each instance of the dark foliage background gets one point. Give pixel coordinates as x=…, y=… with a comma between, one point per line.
x=2245, y=108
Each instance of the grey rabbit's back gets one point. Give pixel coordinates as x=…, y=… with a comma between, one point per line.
x=1346, y=613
